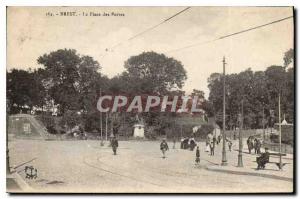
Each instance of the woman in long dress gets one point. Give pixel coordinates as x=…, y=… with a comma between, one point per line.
x=208, y=141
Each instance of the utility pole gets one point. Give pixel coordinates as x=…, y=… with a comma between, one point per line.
x=106, y=126
x=101, y=123
x=224, y=159
x=263, y=123
x=181, y=130
x=279, y=123
x=111, y=126
x=240, y=155
x=263, y=119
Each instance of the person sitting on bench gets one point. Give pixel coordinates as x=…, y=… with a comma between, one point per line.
x=263, y=159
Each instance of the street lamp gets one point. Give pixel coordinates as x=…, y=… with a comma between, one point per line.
x=263, y=118
x=279, y=123
x=101, y=143
x=241, y=120
x=224, y=159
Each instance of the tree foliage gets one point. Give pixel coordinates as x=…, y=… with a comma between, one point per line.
x=72, y=80
x=151, y=72
x=24, y=89
x=257, y=91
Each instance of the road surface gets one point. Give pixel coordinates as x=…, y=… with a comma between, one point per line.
x=85, y=166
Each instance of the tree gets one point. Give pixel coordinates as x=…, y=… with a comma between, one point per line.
x=61, y=75
x=73, y=81
x=149, y=73
x=288, y=57
x=24, y=88
x=38, y=92
x=290, y=85
x=259, y=93
x=70, y=119
x=154, y=73
x=290, y=95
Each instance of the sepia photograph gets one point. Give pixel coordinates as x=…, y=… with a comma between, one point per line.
x=164, y=99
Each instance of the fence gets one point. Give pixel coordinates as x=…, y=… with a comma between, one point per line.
x=285, y=148
x=245, y=133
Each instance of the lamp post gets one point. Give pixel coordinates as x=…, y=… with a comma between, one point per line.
x=101, y=123
x=224, y=159
x=263, y=119
x=279, y=123
x=241, y=120
x=263, y=123
x=106, y=118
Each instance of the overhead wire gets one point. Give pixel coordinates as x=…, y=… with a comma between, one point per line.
x=147, y=30
x=229, y=35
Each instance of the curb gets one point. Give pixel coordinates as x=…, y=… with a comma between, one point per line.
x=24, y=187
x=251, y=174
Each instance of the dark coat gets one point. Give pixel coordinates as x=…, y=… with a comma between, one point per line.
x=164, y=146
x=197, y=153
x=263, y=159
x=114, y=143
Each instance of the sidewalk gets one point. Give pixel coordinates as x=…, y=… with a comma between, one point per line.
x=15, y=184
x=268, y=173
x=250, y=165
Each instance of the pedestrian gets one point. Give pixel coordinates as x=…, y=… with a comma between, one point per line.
x=181, y=142
x=229, y=145
x=255, y=146
x=192, y=144
x=164, y=147
x=207, y=146
x=215, y=139
x=114, y=144
x=219, y=138
x=209, y=139
x=212, y=148
x=258, y=145
x=197, y=155
x=263, y=159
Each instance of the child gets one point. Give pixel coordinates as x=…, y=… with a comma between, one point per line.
x=197, y=155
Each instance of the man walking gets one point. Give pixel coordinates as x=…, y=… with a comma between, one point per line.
x=197, y=155
x=114, y=144
x=164, y=147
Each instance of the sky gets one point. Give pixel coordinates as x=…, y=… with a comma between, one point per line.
x=30, y=34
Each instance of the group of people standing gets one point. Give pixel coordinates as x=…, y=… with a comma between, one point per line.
x=254, y=143
x=211, y=142
x=188, y=143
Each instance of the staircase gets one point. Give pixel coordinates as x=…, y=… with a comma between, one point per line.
x=40, y=128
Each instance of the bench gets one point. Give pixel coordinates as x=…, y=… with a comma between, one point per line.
x=279, y=165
